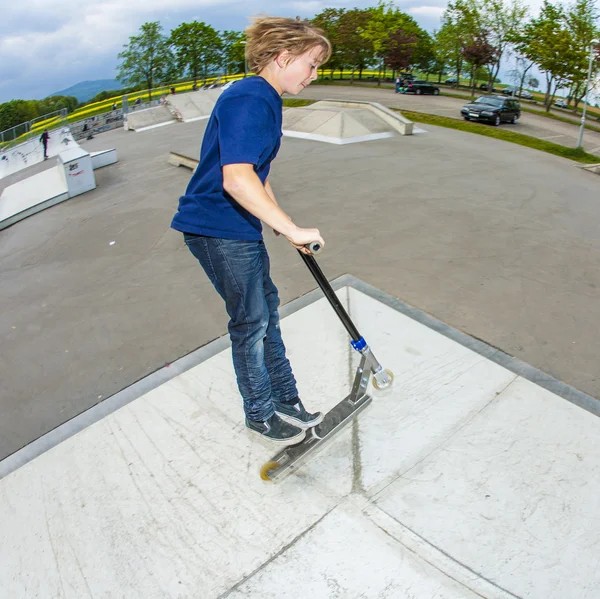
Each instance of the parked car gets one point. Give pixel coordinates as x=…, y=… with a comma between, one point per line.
x=561, y=103
x=451, y=81
x=485, y=87
x=492, y=109
x=514, y=91
x=421, y=87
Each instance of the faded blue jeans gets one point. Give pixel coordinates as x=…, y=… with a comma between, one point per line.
x=239, y=271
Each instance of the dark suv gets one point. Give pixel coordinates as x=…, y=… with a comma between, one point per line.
x=418, y=86
x=492, y=109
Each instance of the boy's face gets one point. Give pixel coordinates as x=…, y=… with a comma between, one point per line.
x=301, y=72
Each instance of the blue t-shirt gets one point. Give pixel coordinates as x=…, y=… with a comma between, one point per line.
x=244, y=127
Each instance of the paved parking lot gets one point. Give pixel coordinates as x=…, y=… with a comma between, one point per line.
x=530, y=124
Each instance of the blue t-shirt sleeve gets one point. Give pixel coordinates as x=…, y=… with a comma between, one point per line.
x=244, y=125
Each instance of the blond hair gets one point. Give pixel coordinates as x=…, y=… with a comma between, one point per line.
x=268, y=36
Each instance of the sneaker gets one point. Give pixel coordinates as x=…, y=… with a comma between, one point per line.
x=277, y=430
x=296, y=414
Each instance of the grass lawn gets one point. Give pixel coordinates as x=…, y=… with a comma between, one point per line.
x=510, y=136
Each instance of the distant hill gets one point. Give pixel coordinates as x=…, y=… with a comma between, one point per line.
x=86, y=90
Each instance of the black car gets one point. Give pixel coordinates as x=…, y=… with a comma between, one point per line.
x=492, y=109
x=421, y=87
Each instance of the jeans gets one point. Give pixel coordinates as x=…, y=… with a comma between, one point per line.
x=239, y=271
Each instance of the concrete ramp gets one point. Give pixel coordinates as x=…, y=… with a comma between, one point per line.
x=194, y=106
x=72, y=175
x=343, y=122
x=31, y=152
x=474, y=476
x=151, y=118
x=36, y=193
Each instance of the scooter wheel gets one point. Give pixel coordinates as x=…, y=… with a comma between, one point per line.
x=265, y=471
x=390, y=374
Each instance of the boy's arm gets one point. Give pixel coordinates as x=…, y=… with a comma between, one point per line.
x=270, y=193
x=243, y=185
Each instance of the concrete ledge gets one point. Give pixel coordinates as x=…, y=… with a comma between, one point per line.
x=391, y=117
x=593, y=168
x=177, y=159
x=103, y=158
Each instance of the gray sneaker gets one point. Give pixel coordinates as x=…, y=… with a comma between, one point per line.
x=277, y=430
x=296, y=414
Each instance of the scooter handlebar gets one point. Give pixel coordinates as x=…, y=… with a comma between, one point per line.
x=315, y=247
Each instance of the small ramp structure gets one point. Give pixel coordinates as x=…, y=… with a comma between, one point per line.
x=150, y=118
x=31, y=152
x=194, y=106
x=185, y=108
x=474, y=476
x=341, y=123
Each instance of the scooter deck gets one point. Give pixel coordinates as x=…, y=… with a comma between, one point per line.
x=291, y=458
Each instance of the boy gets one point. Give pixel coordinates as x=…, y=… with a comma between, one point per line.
x=221, y=212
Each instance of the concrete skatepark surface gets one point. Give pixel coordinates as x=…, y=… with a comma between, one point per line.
x=464, y=480
x=495, y=240
x=508, y=253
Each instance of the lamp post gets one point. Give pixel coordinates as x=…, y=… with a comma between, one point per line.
x=587, y=93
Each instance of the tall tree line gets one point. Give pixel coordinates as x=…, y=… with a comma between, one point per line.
x=474, y=39
x=195, y=49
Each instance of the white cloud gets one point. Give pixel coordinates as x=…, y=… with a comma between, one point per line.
x=84, y=42
x=47, y=45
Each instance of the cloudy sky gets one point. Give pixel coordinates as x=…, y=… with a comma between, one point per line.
x=49, y=45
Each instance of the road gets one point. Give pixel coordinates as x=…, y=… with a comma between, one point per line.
x=536, y=126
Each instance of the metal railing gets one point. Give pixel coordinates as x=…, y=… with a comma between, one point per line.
x=25, y=131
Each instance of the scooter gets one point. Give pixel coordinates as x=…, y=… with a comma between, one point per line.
x=292, y=457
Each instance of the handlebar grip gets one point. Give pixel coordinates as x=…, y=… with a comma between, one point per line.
x=315, y=247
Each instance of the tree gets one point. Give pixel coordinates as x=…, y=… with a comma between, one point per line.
x=518, y=75
x=461, y=22
x=20, y=112
x=580, y=21
x=147, y=58
x=197, y=47
x=356, y=51
x=384, y=19
x=15, y=113
x=232, y=51
x=56, y=103
x=546, y=41
x=533, y=83
x=479, y=53
x=329, y=21
x=501, y=21
x=400, y=49
x=424, y=56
